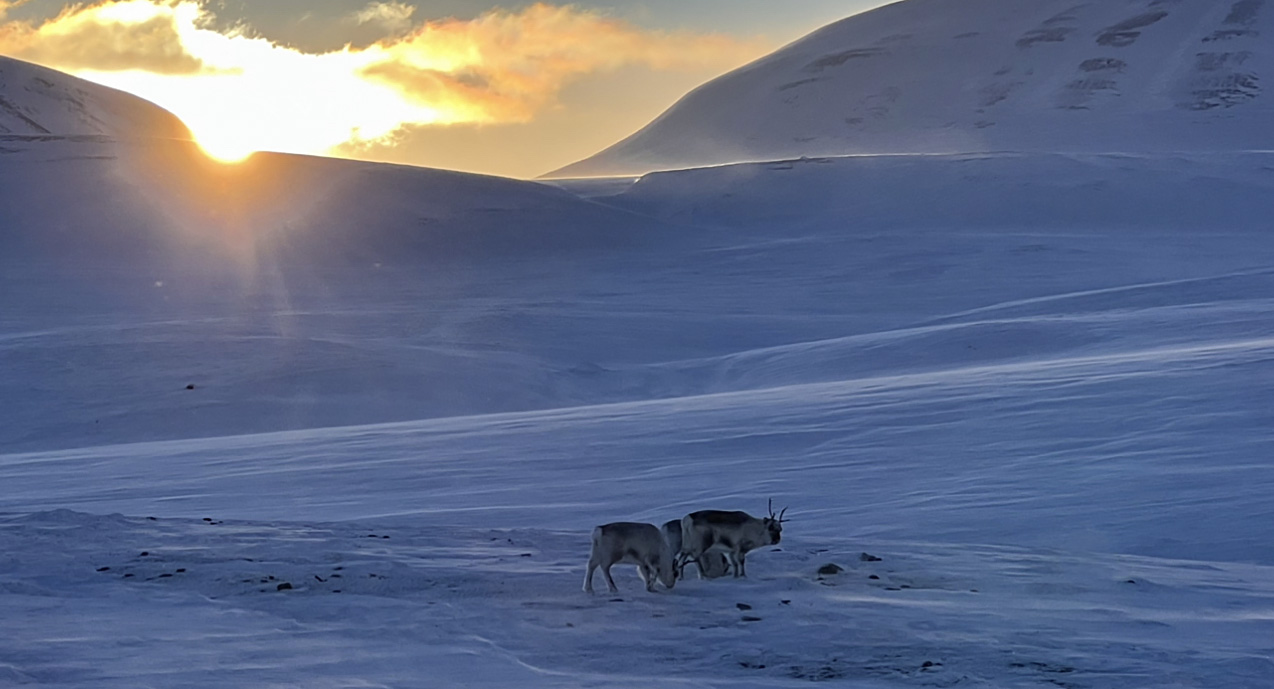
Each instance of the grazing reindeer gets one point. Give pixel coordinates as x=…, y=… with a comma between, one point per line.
x=733, y=532
x=634, y=544
x=710, y=565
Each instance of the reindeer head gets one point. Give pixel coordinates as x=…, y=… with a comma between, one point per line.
x=774, y=523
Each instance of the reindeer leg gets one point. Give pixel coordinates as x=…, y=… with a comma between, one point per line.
x=743, y=564
x=648, y=576
x=588, y=578
x=610, y=582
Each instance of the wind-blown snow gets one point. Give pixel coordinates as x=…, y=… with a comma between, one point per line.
x=943, y=76
x=318, y=423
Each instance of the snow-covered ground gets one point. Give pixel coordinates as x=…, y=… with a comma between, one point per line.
x=1052, y=429
x=315, y=423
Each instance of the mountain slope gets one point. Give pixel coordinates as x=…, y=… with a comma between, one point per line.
x=979, y=75
x=36, y=101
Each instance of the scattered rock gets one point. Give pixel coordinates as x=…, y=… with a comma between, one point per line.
x=103, y=569
x=165, y=575
x=751, y=618
x=873, y=576
x=285, y=586
x=181, y=570
x=145, y=553
x=867, y=557
x=190, y=387
x=319, y=578
x=786, y=602
x=830, y=568
x=743, y=606
x=126, y=576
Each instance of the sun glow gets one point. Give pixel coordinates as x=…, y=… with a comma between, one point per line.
x=240, y=93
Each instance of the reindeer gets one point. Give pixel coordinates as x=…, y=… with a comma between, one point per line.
x=634, y=544
x=733, y=532
x=710, y=565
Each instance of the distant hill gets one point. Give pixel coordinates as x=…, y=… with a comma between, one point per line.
x=940, y=76
x=37, y=101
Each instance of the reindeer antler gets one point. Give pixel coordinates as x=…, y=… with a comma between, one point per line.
x=770, y=506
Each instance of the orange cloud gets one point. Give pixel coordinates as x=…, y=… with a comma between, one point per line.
x=505, y=66
x=109, y=37
x=239, y=92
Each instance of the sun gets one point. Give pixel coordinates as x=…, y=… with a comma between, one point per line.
x=224, y=149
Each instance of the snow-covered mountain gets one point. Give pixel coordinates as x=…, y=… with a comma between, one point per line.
x=36, y=101
x=940, y=76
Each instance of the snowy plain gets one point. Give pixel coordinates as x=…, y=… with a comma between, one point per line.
x=316, y=423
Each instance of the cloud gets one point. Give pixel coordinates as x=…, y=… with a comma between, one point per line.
x=504, y=66
x=6, y=5
x=394, y=17
x=240, y=90
x=138, y=34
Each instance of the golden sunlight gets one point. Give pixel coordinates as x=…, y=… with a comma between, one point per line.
x=240, y=93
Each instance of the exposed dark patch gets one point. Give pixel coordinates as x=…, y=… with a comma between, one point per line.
x=1091, y=84
x=1054, y=34
x=1127, y=32
x=743, y=606
x=868, y=557
x=1103, y=64
x=968, y=34
x=819, y=673
x=1226, y=91
x=1244, y=12
x=830, y=569
x=996, y=93
x=838, y=59
x=13, y=110
x=1227, y=34
x=1212, y=62
x=794, y=84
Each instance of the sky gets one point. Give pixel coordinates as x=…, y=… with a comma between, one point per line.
x=512, y=88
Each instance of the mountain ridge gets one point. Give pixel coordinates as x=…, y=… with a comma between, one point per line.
x=38, y=101
x=935, y=76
